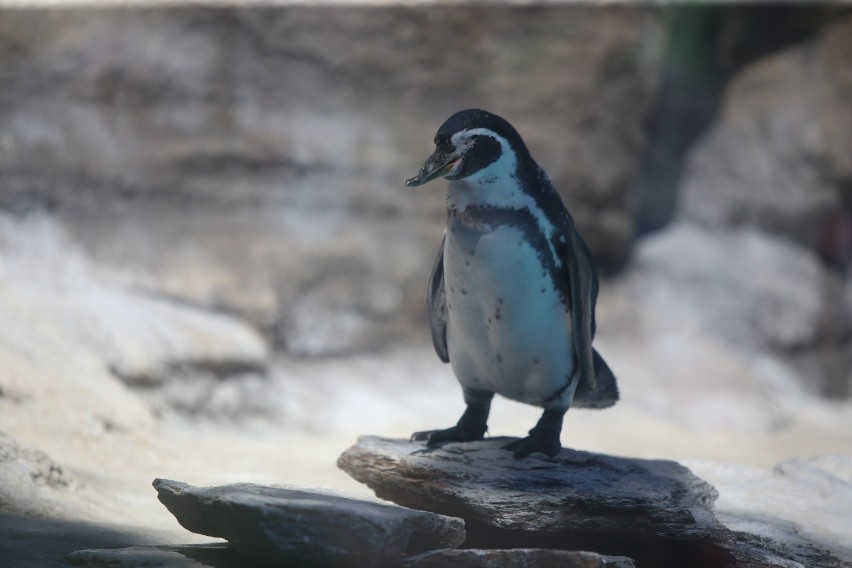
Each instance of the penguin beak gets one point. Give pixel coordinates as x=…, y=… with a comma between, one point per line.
x=437, y=165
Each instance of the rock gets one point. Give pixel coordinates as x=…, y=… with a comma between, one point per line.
x=754, y=291
x=222, y=556
x=767, y=315
x=777, y=158
x=185, y=556
x=279, y=525
x=48, y=509
x=263, y=176
x=515, y=558
x=777, y=162
x=799, y=501
x=28, y=477
x=34, y=485
x=78, y=350
x=139, y=336
x=654, y=511
x=709, y=44
x=486, y=486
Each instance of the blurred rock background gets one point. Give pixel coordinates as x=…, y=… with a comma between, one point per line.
x=210, y=268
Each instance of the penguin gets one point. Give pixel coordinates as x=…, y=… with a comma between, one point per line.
x=511, y=298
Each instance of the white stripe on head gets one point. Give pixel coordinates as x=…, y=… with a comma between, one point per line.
x=495, y=185
x=502, y=167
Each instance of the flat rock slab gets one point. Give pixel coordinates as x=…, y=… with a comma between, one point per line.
x=653, y=511
x=577, y=491
x=515, y=558
x=280, y=525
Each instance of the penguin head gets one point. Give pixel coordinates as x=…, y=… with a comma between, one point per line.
x=470, y=144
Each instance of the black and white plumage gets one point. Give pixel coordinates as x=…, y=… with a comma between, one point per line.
x=513, y=289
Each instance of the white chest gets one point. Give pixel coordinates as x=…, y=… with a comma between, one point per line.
x=508, y=331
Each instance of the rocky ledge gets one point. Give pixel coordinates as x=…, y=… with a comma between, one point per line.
x=653, y=511
x=279, y=525
x=470, y=505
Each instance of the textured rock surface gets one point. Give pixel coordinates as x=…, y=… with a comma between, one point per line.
x=221, y=556
x=515, y=558
x=654, y=511
x=708, y=43
x=778, y=157
x=777, y=162
x=276, y=524
x=35, y=485
x=205, y=177
x=754, y=291
x=253, y=159
x=803, y=500
x=767, y=301
x=577, y=491
x=79, y=349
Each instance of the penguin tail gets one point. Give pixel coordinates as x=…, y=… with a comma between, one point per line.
x=605, y=392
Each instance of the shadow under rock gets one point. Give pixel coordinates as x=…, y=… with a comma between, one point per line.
x=29, y=542
x=213, y=555
x=646, y=551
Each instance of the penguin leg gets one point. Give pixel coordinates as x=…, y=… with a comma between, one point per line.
x=471, y=426
x=543, y=438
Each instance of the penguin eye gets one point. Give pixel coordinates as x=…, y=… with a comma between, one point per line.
x=470, y=142
x=476, y=142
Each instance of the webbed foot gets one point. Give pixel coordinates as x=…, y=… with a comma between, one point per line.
x=453, y=434
x=543, y=438
x=471, y=426
x=546, y=443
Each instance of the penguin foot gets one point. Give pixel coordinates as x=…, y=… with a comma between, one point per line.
x=471, y=426
x=543, y=438
x=546, y=443
x=453, y=434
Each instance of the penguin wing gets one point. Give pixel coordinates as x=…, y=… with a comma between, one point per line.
x=579, y=271
x=605, y=393
x=436, y=304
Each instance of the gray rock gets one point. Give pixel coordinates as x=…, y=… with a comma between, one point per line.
x=276, y=524
x=749, y=288
x=179, y=556
x=34, y=485
x=222, y=556
x=778, y=156
x=484, y=484
x=74, y=341
x=262, y=175
x=655, y=511
x=30, y=478
x=799, y=501
x=757, y=293
x=515, y=558
x=777, y=161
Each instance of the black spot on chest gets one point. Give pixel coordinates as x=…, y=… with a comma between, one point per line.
x=484, y=218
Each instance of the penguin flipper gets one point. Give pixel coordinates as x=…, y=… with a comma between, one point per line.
x=605, y=392
x=579, y=271
x=436, y=304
